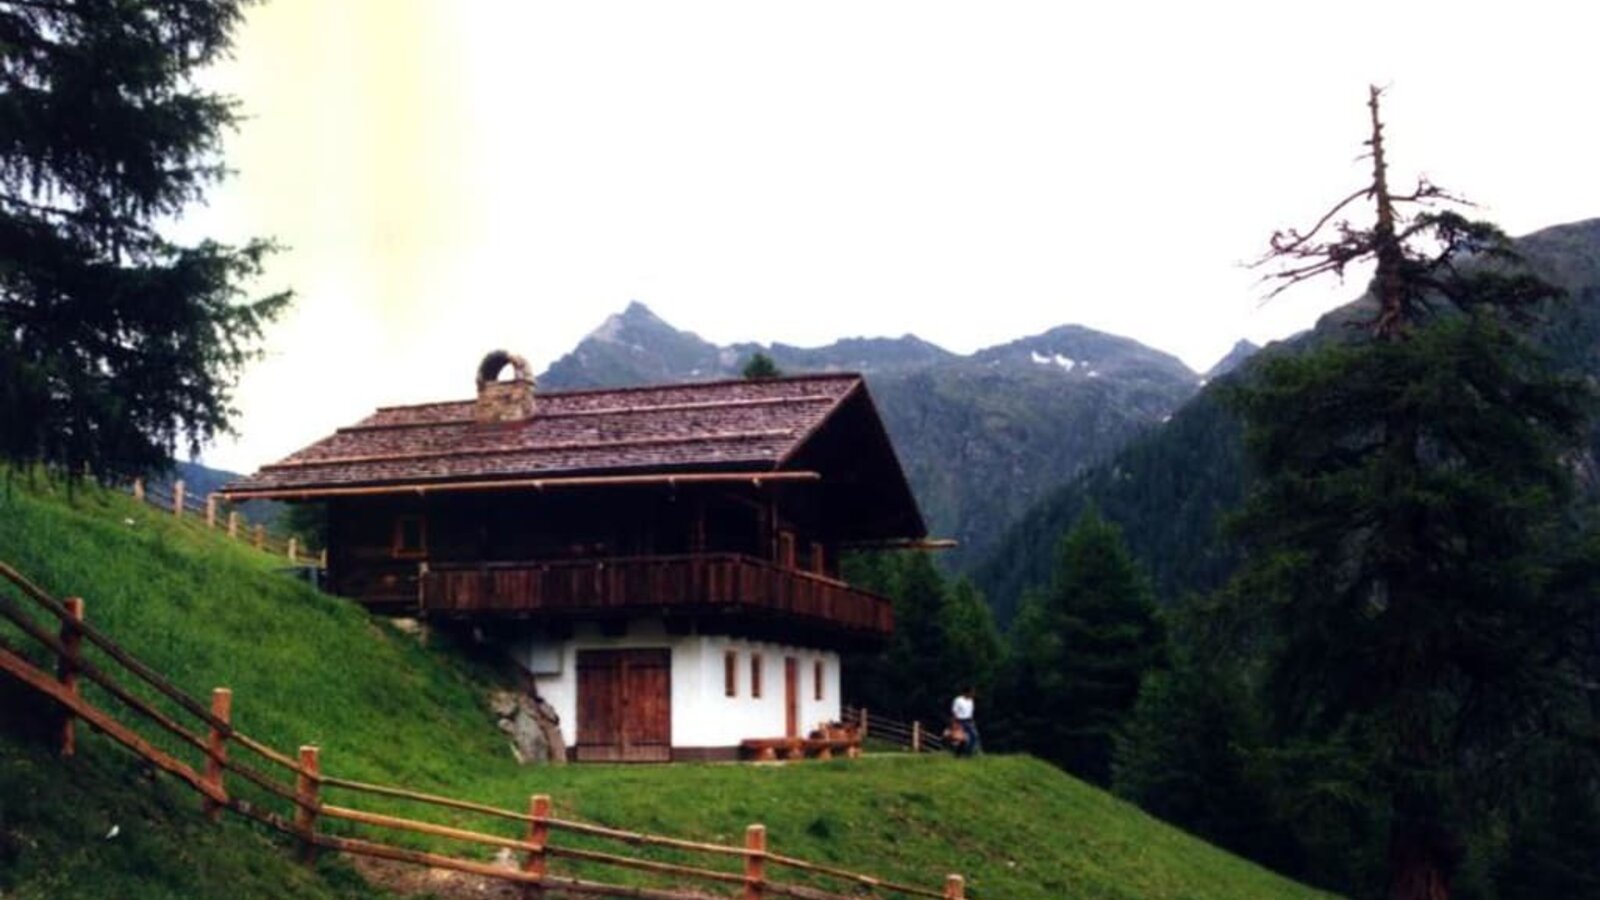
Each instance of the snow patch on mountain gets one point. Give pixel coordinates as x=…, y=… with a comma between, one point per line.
x=1047, y=359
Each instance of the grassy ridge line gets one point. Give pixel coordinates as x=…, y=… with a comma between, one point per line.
x=306, y=668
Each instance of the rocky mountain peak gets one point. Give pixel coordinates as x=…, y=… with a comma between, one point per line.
x=1231, y=360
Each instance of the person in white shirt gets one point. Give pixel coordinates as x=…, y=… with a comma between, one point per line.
x=961, y=711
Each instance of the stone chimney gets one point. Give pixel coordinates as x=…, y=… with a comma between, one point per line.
x=504, y=401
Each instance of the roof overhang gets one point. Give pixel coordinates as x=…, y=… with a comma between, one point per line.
x=754, y=478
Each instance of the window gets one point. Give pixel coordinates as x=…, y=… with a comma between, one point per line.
x=730, y=673
x=816, y=678
x=410, y=537
x=755, y=675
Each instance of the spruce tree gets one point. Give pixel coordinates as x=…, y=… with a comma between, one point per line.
x=1410, y=584
x=1080, y=650
x=760, y=366
x=972, y=650
x=116, y=343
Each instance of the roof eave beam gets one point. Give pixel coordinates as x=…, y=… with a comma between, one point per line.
x=531, y=484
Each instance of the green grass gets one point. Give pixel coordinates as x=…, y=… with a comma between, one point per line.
x=306, y=668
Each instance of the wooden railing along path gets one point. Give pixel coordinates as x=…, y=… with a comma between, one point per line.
x=913, y=735
x=214, y=511
x=299, y=781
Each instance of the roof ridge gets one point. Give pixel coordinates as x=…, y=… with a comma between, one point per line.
x=530, y=448
x=644, y=388
x=609, y=411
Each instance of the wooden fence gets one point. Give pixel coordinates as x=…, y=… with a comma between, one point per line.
x=913, y=736
x=300, y=784
x=217, y=513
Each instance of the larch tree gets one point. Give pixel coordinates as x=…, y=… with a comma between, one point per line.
x=117, y=344
x=1410, y=581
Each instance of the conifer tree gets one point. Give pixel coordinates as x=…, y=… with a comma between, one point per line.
x=1080, y=650
x=759, y=366
x=973, y=652
x=1410, y=581
x=116, y=342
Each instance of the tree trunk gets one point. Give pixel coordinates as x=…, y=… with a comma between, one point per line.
x=1421, y=860
x=1386, y=246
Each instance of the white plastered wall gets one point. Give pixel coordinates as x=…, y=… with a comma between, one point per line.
x=702, y=713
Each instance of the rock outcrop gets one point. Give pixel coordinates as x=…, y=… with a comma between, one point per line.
x=533, y=725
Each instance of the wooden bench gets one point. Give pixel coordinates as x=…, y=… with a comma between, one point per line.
x=824, y=748
x=768, y=749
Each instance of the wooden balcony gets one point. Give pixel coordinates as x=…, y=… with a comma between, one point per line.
x=691, y=584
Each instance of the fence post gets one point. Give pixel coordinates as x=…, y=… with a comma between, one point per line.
x=261, y=537
x=222, y=708
x=538, y=836
x=955, y=887
x=294, y=550
x=755, y=862
x=916, y=736
x=67, y=669
x=233, y=523
x=211, y=510
x=863, y=723
x=138, y=489
x=307, y=786
x=177, y=498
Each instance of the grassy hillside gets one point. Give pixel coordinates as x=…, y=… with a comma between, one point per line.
x=311, y=669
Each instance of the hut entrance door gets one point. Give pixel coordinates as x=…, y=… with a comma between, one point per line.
x=791, y=696
x=625, y=705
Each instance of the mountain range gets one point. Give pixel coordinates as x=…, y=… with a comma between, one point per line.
x=1169, y=489
x=982, y=437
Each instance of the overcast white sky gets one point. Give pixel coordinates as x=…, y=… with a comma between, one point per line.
x=451, y=177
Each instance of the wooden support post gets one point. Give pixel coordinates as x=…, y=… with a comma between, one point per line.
x=755, y=862
x=307, y=787
x=177, y=498
x=67, y=670
x=261, y=537
x=955, y=887
x=864, y=723
x=538, y=836
x=294, y=550
x=233, y=523
x=916, y=736
x=222, y=708
x=322, y=559
x=211, y=510
x=138, y=489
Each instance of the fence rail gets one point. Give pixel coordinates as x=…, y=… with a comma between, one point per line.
x=913, y=736
x=306, y=807
x=218, y=513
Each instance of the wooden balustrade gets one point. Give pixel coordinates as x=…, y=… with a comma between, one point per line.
x=711, y=581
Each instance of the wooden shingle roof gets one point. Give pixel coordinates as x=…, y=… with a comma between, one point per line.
x=747, y=425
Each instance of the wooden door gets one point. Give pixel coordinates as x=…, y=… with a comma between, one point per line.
x=625, y=705
x=791, y=696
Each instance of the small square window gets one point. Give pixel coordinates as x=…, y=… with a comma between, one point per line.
x=410, y=537
x=816, y=678
x=755, y=675
x=730, y=673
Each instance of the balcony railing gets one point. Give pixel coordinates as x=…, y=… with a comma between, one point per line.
x=721, y=581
